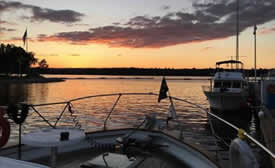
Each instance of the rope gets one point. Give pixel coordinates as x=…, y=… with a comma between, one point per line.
x=74, y=117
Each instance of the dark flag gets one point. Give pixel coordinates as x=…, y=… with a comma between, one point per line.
x=163, y=90
x=24, y=38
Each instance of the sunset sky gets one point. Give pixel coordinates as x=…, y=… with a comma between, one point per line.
x=140, y=33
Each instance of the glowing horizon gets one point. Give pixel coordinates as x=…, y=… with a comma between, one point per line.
x=142, y=34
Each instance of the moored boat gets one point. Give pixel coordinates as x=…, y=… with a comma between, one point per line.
x=228, y=90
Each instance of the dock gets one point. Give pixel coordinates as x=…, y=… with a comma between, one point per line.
x=263, y=100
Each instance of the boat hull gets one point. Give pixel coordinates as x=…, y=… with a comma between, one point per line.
x=227, y=101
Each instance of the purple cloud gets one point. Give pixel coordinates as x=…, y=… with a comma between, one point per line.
x=43, y=14
x=3, y=29
x=210, y=21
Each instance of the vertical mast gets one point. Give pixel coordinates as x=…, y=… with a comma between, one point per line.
x=255, y=47
x=237, y=33
x=255, y=52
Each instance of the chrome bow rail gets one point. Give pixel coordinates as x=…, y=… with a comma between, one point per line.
x=68, y=105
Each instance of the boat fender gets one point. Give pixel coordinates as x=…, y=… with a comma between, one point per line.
x=241, y=155
x=4, y=131
x=18, y=115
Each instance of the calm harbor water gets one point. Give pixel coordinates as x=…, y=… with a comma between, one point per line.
x=90, y=113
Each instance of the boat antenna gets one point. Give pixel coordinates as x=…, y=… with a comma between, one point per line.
x=237, y=33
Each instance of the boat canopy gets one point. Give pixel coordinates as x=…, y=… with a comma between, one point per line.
x=229, y=62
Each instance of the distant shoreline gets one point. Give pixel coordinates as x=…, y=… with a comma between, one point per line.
x=134, y=78
x=140, y=71
x=29, y=80
x=17, y=80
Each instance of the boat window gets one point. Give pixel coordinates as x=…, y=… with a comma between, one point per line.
x=217, y=84
x=226, y=84
x=236, y=84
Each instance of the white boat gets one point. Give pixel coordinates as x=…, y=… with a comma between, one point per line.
x=148, y=144
x=228, y=90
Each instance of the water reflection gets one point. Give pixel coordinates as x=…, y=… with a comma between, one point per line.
x=91, y=113
x=15, y=93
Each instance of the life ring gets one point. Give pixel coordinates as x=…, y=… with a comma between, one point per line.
x=18, y=115
x=4, y=131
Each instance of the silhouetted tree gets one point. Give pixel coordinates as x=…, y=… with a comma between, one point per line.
x=15, y=59
x=43, y=64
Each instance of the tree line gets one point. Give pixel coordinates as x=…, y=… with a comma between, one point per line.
x=15, y=60
x=143, y=71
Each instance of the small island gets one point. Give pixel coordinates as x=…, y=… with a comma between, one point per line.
x=18, y=66
x=19, y=80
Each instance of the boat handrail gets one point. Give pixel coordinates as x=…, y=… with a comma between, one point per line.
x=68, y=106
x=93, y=96
x=231, y=125
x=154, y=94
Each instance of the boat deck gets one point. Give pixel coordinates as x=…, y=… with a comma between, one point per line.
x=156, y=158
x=206, y=145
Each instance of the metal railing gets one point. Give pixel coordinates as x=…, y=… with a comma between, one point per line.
x=68, y=106
x=232, y=126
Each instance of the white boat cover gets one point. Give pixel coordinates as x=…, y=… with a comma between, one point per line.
x=51, y=137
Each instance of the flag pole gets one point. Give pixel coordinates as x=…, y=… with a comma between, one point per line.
x=172, y=111
x=255, y=47
x=27, y=44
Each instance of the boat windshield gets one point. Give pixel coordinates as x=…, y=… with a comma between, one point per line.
x=228, y=84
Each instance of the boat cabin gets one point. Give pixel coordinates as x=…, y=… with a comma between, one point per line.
x=232, y=80
x=229, y=81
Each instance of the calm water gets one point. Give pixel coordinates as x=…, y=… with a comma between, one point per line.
x=130, y=110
